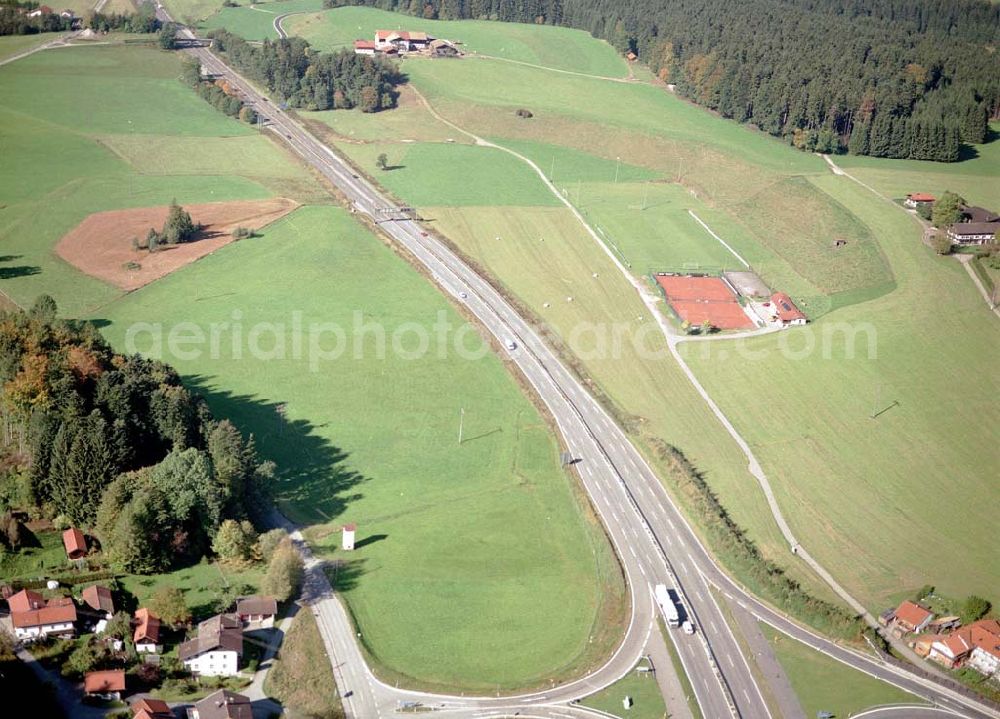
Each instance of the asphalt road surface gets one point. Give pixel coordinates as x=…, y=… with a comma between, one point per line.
x=653, y=540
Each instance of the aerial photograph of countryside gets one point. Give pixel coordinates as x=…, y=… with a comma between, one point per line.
x=482, y=359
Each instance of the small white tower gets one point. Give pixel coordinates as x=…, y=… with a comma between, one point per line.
x=348, y=541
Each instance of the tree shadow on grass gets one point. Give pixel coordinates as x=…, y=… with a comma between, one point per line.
x=314, y=481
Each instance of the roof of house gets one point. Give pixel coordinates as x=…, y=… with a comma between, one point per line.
x=417, y=36
x=46, y=9
x=224, y=704
x=921, y=197
x=222, y=631
x=148, y=628
x=257, y=604
x=787, y=311
x=912, y=614
x=25, y=600
x=153, y=708
x=58, y=611
x=74, y=541
x=350, y=527
x=99, y=598
x=986, y=636
x=364, y=45
x=971, y=213
x=975, y=228
x=111, y=680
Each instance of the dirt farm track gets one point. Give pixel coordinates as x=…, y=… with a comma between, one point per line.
x=101, y=246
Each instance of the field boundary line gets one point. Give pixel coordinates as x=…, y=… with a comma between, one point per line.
x=673, y=339
x=724, y=243
x=630, y=81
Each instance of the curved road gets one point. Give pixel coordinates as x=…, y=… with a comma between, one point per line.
x=653, y=540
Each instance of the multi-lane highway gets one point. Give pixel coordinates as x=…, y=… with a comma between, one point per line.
x=653, y=540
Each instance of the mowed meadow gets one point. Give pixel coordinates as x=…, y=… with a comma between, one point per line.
x=640, y=164
x=479, y=565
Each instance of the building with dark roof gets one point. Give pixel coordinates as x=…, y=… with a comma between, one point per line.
x=218, y=648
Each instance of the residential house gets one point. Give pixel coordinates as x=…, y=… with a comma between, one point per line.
x=971, y=213
x=224, y=704
x=99, y=599
x=257, y=611
x=25, y=601
x=973, y=233
x=56, y=618
x=785, y=310
x=976, y=646
x=911, y=617
x=443, y=48
x=401, y=41
x=41, y=10
x=147, y=631
x=151, y=709
x=218, y=648
x=105, y=685
x=75, y=543
x=916, y=199
x=985, y=658
x=364, y=47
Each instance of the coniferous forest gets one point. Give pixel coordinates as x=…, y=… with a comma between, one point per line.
x=116, y=445
x=889, y=78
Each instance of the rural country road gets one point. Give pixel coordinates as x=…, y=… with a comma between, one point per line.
x=653, y=540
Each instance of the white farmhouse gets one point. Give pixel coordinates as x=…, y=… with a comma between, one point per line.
x=57, y=618
x=218, y=648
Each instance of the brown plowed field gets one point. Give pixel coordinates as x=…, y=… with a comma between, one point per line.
x=101, y=245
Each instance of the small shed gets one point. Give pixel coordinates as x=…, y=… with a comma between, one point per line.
x=75, y=543
x=347, y=541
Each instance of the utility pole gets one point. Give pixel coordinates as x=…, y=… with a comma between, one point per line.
x=552, y=169
x=618, y=165
x=645, y=196
x=461, y=424
x=878, y=389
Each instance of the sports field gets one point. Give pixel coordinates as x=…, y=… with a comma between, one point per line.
x=105, y=128
x=704, y=299
x=461, y=547
x=784, y=212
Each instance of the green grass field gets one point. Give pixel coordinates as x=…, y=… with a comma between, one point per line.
x=823, y=684
x=14, y=44
x=256, y=21
x=460, y=547
x=642, y=689
x=99, y=128
x=48, y=558
x=852, y=485
x=558, y=47
x=201, y=583
x=807, y=420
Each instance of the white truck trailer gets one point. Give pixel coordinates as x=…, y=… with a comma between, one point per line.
x=667, y=606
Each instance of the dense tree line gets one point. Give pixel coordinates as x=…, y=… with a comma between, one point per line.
x=118, y=445
x=144, y=21
x=305, y=78
x=216, y=93
x=889, y=78
x=14, y=19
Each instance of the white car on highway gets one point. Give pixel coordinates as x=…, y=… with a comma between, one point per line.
x=688, y=627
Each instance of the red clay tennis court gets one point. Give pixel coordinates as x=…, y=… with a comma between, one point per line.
x=697, y=299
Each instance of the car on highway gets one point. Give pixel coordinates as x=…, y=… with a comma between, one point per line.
x=511, y=345
x=688, y=627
